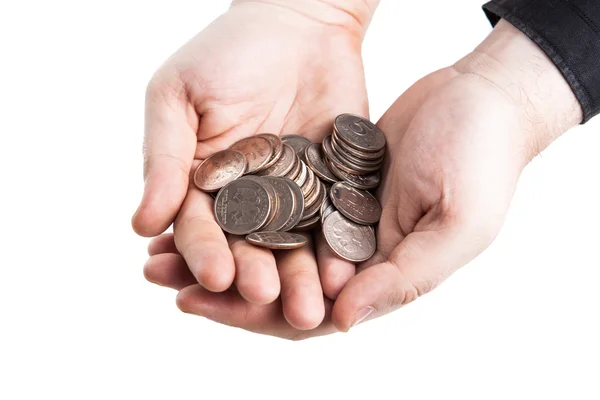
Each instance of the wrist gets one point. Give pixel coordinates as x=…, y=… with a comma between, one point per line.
x=352, y=15
x=541, y=95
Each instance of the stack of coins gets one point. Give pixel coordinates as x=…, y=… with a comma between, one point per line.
x=267, y=186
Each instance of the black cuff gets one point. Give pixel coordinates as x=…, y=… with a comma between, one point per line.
x=569, y=33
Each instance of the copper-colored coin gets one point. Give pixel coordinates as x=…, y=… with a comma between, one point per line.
x=301, y=178
x=299, y=205
x=311, y=211
x=308, y=224
x=366, y=164
x=273, y=198
x=363, y=155
x=334, y=159
x=314, y=194
x=364, y=182
x=316, y=161
x=359, y=133
x=298, y=143
x=286, y=204
x=258, y=152
x=219, y=169
x=277, y=145
x=242, y=206
x=349, y=240
x=309, y=184
x=293, y=174
x=284, y=165
x=326, y=209
x=347, y=161
x=357, y=205
x=277, y=240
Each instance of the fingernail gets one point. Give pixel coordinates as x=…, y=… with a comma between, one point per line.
x=361, y=315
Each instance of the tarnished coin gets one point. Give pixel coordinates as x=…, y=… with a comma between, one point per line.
x=357, y=205
x=310, y=212
x=273, y=198
x=242, y=206
x=364, y=182
x=349, y=240
x=314, y=194
x=334, y=159
x=277, y=147
x=363, y=155
x=298, y=209
x=219, y=169
x=349, y=162
x=293, y=174
x=277, y=240
x=301, y=178
x=284, y=165
x=258, y=152
x=316, y=161
x=309, y=184
x=374, y=165
x=286, y=204
x=326, y=208
x=298, y=143
x=359, y=133
x=308, y=224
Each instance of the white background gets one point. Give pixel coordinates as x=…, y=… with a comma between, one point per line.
x=78, y=321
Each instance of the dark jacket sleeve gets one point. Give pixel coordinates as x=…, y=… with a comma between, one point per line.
x=568, y=31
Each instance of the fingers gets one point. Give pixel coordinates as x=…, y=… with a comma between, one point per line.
x=202, y=243
x=301, y=293
x=169, y=146
x=256, y=276
x=416, y=266
x=231, y=309
x=169, y=270
x=334, y=271
x=164, y=243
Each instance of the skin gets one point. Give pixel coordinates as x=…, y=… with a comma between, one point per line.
x=457, y=142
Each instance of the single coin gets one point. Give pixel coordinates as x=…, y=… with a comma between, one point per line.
x=308, y=224
x=242, y=206
x=346, y=159
x=219, y=169
x=273, y=198
x=299, y=205
x=363, y=155
x=314, y=195
x=277, y=147
x=282, y=166
x=293, y=174
x=334, y=159
x=326, y=208
x=341, y=152
x=277, y=240
x=298, y=143
x=309, y=184
x=349, y=240
x=316, y=161
x=286, y=204
x=359, y=133
x=301, y=178
x=258, y=152
x=311, y=211
x=365, y=182
x=357, y=205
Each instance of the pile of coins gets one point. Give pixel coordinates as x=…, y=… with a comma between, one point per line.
x=266, y=186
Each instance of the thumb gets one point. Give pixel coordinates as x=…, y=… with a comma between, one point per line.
x=169, y=146
x=416, y=266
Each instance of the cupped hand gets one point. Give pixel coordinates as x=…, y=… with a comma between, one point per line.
x=260, y=67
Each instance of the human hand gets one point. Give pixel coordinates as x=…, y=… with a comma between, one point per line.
x=264, y=66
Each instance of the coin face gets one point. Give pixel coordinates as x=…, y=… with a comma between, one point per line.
x=298, y=143
x=284, y=165
x=257, y=150
x=219, y=169
x=273, y=198
x=365, y=182
x=357, y=205
x=286, y=204
x=277, y=240
x=359, y=133
x=299, y=209
x=349, y=240
x=316, y=162
x=242, y=206
x=277, y=145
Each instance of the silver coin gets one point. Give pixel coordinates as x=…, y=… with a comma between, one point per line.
x=349, y=240
x=273, y=198
x=359, y=133
x=335, y=160
x=277, y=240
x=311, y=211
x=298, y=209
x=298, y=143
x=309, y=184
x=308, y=224
x=314, y=194
x=286, y=204
x=347, y=161
x=293, y=174
x=363, y=155
x=365, y=182
x=326, y=208
x=341, y=152
x=357, y=205
x=316, y=161
x=301, y=178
